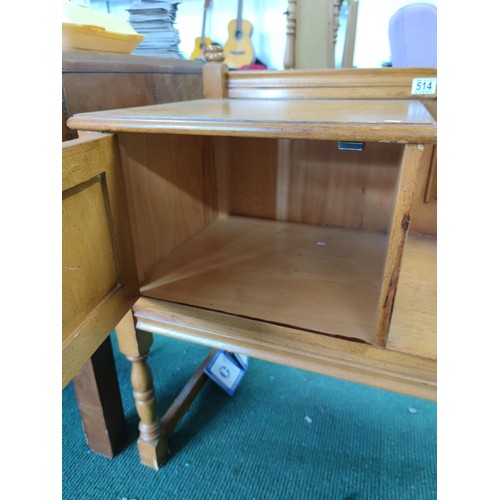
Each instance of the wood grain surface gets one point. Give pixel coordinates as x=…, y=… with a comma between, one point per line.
x=98, y=270
x=369, y=120
x=311, y=277
x=345, y=83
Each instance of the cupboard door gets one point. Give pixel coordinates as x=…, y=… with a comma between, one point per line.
x=99, y=278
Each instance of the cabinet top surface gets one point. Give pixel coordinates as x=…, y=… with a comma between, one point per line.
x=370, y=120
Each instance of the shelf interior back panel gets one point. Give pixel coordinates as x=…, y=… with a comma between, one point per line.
x=311, y=277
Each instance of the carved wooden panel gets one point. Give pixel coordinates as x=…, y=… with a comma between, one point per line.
x=98, y=276
x=89, y=270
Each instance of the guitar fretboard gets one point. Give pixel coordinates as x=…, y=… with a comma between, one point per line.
x=239, y=17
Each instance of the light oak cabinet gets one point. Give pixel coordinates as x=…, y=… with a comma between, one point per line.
x=99, y=279
x=269, y=218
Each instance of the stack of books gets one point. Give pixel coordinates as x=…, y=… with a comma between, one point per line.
x=155, y=20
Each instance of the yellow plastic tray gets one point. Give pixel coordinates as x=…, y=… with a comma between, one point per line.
x=83, y=28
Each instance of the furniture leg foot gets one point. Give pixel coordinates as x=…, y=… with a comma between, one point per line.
x=153, y=453
x=135, y=345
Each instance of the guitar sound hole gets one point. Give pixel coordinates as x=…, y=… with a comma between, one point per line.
x=238, y=35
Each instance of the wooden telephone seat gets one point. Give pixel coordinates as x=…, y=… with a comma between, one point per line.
x=269, y=218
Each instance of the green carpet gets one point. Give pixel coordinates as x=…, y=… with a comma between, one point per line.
x=356, y=442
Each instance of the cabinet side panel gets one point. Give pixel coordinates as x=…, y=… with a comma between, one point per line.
x=99, y=280
x=424, y=210
x=402, y=205
x=170, y=190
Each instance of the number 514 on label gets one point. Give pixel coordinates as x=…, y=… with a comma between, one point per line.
x=424, y=86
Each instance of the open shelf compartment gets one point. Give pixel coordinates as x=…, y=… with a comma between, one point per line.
x=289, y=232
x=306, y=276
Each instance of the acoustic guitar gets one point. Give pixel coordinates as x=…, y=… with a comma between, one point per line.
x=238, y=50
x=202, y=41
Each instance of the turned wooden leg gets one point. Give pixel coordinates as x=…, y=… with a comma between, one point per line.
x=135, y=345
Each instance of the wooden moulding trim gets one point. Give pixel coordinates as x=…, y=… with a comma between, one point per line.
x=368, y=75
x=388, y=133
x=337, y=92
x=377, y=82
x=357, y=362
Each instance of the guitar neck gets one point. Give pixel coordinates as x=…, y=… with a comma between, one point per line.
x=205, y=10
x=239, y=17
x=203, y=26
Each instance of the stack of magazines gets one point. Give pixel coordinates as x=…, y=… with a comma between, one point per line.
x=155, y=19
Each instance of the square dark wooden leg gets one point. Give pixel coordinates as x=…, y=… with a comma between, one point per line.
x=98, y=395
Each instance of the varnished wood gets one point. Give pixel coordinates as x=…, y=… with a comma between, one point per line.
x=431, y=105
x=403, y=200
x=306, y=276
x=301, y=293
x=411, y=374
x=211, y=195
x=347, y=83
x=414, y=321
x=89, y=134
x=313, y=182
x=214, y=54
x=424, y=209
x=221, y=160
x=185, y=398
x=400, y=121
x=313, y=42
x=387, y=83
x=135, y=345
x=94, y=81
x=215, y=74
x=99, y=279
x=99, y=401
x=166, y=183
x=91, y=81
x=431, y=185
x=252, y=170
